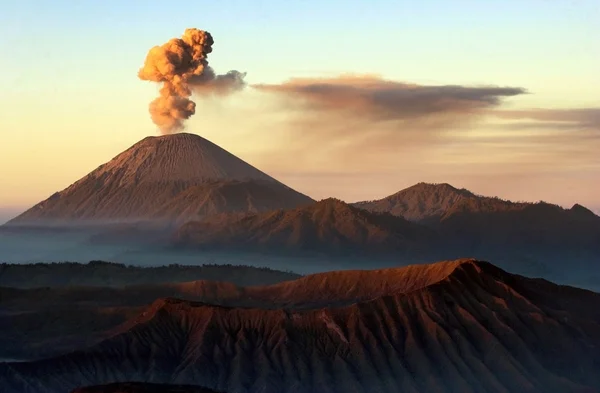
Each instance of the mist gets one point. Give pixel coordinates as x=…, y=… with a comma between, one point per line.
x=8, y=213
x=73, y=245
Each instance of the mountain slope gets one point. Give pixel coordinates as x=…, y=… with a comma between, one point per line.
x=426, y=202
x=157, y=177
x=42, y=322
x=328, y=225
x=470, y=327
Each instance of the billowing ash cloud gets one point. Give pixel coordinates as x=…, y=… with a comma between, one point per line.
x=380, y=99
x=181, y=66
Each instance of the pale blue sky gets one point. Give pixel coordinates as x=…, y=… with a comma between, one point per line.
x=548, y=46
x=68, y=68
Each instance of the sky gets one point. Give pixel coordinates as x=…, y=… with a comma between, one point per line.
x=345, y=99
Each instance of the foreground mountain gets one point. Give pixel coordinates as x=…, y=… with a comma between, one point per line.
x=462, y=326
x=42, y=322
x=49, y=309
x=170, y=178
x=329, y=225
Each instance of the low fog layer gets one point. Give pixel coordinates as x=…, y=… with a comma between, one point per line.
x=59, y=247
x=21, y=248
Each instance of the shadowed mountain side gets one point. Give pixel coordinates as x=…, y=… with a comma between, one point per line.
x=529, y=238
x=42, y=322
x=156, y=179
x=330, y=226
x=99, y=273
x=535, y=226
x=477, y=329
x=133, y=387
x=315, y=290
x=430, y=203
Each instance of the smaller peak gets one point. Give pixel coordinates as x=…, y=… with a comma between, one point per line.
x=437, y=187
x=582, y=210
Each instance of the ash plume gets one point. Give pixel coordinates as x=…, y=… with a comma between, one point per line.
x=181, y=66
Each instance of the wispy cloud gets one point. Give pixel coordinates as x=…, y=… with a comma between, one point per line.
x=380, y=99
x=349, y=115
x=576, y=118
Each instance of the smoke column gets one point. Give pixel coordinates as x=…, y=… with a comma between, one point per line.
x=181, y=66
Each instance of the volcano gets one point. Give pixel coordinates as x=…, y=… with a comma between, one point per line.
x=171, y=178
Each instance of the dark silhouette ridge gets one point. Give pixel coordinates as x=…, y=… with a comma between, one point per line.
x=463, y=326
x=110, y=274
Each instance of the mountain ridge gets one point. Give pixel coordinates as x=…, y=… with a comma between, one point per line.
x=429, y=202
x=477, y=329
x=329, y=225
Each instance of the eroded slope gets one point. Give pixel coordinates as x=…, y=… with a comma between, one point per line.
x=478, y=329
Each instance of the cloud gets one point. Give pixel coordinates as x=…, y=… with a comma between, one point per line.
x=181, y=66
x=341, y=118
x=363, y=136
x=569, y=118
x=379, y=99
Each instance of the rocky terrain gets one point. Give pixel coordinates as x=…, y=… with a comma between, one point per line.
x=459, y=326
x=43, y=322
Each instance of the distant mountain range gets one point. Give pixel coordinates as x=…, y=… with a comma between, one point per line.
x=426, y=222
x=329, y=226
x=182, y=191
x=457, y=326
